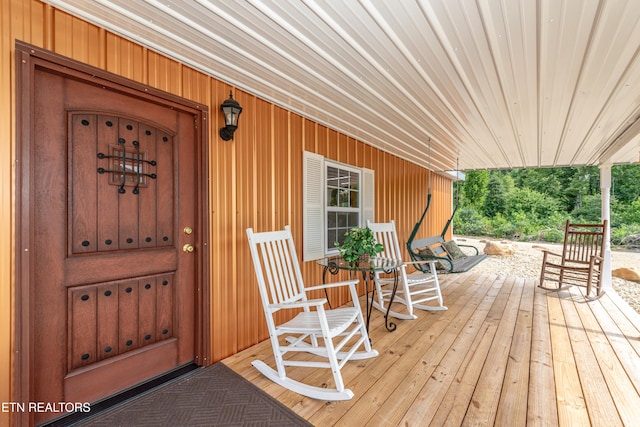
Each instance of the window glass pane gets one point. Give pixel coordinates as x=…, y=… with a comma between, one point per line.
x=340, y=235
x=354, y=181
x=343, y=218
x=332, y=196
x=354, y=220
x=332, y=237
x=343, y=203
x=344, y=198
x=353, y=199
x=331, y=220
x=332, y=176
x=333, y=183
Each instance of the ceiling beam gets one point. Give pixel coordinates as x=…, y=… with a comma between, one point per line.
x=628, y=135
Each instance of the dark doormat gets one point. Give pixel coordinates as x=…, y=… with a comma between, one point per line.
x=211, y=396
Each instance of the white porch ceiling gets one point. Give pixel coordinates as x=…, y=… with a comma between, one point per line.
x=493, y=83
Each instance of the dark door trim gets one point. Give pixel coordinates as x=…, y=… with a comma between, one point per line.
x=28, y=59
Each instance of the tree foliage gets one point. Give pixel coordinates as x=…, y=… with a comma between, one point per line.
x=498, y=189
x=475, y=188
x=535, y=203
x=625, y=183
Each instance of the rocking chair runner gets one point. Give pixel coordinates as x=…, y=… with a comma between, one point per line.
x=415, y=289
x=314, y=329
x=581, y=260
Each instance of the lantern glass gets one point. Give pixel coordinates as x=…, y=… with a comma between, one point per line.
x=231, y=111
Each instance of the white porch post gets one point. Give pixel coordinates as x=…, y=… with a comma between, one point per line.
x=605, y=187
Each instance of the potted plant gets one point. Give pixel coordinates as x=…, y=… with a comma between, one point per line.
x=358, y=242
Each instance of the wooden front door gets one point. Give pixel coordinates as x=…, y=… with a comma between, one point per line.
x=114, y=226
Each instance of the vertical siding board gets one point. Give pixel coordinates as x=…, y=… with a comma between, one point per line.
x=402, y=193
x=263, y=143
x=22, y=20
x=8, y=31
x=62, y=33
x=263, y=185
x=295, y=173
x=195, y=86
x=255, y=179
x=343, y=148
x=395, y=184
x=332, y=144
x=281, y=167
x=259, y=108
x=88, y=38
x=224, y=328
x=164, y=73
x=244, y=179
x=309, y=136
x=322, y=138
x=381, y=176
x=219, y=301
x=294, y=214
x=218, y=295
x=249, y=307
x=427, y=226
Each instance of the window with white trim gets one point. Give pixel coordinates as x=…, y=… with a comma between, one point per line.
x=342, y=202
x=337, y=197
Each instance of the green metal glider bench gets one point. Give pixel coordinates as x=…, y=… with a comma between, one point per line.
x=451, y=257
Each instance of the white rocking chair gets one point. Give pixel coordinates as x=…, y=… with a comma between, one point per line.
x=311, y=331
x=414, y=289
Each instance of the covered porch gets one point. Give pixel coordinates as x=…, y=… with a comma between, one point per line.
x=505, y=353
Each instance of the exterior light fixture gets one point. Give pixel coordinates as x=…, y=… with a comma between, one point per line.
x=231, y=111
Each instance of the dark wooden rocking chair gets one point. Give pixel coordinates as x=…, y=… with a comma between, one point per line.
x=580, y=263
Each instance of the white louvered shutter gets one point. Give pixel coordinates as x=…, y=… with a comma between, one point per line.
x=313, y=206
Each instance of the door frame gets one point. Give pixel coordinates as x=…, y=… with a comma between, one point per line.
x=28, y=58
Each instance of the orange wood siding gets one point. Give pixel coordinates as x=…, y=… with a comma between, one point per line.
x=255, y=179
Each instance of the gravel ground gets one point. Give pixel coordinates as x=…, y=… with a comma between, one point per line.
x=527, y=260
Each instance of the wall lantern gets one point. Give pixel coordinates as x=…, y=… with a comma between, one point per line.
x=231, y=110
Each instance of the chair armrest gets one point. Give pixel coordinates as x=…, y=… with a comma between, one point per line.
x=420, y=258
x=300, y=304
x=426, y=261
x=595, y=258
x=471, y=247
x=332, y=285
x=418, y=265
x=551, y=253
x=416, y=258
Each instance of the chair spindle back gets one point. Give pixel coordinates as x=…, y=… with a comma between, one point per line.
x=583, y=241
x=385, y=233
x=274, y=257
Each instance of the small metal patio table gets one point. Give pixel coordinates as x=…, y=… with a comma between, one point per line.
x=368, y=268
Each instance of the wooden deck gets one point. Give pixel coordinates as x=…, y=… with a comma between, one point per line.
x=506, y=353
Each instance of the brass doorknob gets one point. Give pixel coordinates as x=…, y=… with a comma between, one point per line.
x=188, y=230
x=188, y=248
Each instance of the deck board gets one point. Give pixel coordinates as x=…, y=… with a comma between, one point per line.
x=541, y=406
x=505, y=353
x=600, y=407
x=512, y=408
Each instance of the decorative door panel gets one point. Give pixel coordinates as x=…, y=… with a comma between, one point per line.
x=113, y=318
x=128, y=204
